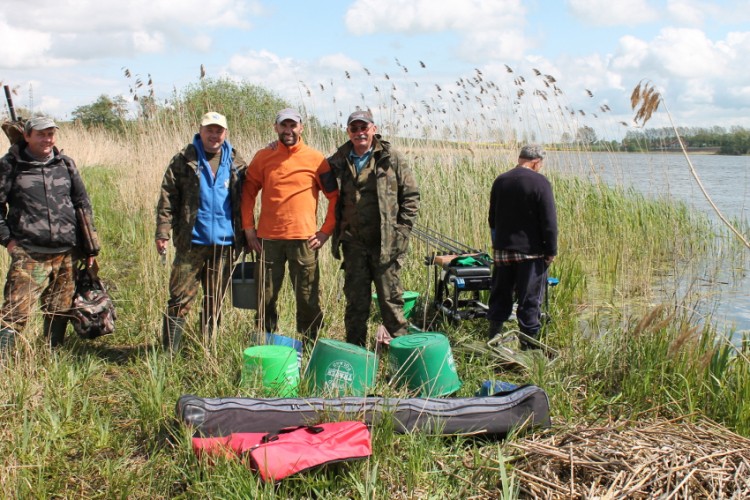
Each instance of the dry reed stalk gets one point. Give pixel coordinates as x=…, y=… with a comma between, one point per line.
x=644, y=459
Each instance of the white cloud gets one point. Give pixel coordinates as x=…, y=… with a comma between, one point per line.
x=687, y=12
x=688, y=53
x=613, y=12
x=146, y=42
x=22, y=48
x=49, y=32
x=489, y=28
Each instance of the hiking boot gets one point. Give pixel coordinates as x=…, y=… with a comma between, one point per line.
x=529, y=341
x=494, y=330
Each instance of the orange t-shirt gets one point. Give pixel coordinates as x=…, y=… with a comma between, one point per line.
x=290, y=179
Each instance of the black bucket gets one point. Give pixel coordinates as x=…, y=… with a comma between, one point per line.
x=244, y=287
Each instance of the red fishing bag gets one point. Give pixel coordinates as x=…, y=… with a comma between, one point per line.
x=294, y=449
x=297, y=449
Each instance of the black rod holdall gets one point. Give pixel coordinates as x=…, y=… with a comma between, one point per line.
x=523, y=407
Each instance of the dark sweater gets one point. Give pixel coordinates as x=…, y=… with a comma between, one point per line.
x=522, y=213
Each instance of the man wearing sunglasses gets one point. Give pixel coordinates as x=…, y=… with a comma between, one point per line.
x=377, y=207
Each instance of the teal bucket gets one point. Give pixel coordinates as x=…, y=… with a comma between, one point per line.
x=272, y=367
x=337, y=368
x=410, y=300
x=424, y=362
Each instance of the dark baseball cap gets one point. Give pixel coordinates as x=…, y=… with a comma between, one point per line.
x=360, y=116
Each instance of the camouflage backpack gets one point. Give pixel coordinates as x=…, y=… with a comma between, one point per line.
x=93, y=313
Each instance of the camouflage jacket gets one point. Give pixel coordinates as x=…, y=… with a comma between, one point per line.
x=38, y=201
x=398, y=197
x=179, y=197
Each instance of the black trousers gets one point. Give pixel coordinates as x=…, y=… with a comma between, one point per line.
x=526, y=280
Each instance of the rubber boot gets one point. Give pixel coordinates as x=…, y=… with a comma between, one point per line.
x=172, y=328
x=7, y=342
x=54, y=329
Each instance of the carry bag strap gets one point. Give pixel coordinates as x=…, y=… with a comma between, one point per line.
x=273, y=436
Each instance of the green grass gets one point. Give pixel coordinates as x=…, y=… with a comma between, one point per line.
x=96, y=419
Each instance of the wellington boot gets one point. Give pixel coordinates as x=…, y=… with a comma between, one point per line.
x=7, y=342
x=54, y=329
x=172, y=328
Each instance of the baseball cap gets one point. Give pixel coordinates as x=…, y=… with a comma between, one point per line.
x=288, y=114
x=532, y=152
x=361, y=116
x=39, y=123
x=214, y=118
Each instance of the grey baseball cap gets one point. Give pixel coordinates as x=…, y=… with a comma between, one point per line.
x=288, y=114
x=532, y=152
x=39, y=123
x=360, y=116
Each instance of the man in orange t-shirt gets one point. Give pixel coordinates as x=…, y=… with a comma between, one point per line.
x=290, y=178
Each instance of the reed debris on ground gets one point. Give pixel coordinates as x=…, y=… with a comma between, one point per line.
x=653, y=458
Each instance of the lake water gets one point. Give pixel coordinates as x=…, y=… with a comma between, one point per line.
x=667, y=175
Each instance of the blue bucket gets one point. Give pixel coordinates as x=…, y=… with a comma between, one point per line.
x=269, y=338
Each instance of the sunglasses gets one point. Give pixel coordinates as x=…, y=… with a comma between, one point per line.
x=358, y=128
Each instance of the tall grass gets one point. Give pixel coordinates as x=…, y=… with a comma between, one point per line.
x=96, y=419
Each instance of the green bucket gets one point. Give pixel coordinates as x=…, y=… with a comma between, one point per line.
x=337, y=368
x=273, y=367
x=424, y=362
x=410, y=300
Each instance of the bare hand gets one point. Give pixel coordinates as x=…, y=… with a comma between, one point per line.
x=548, y=259
x=317, y=240
x=253, y=243
x=11, y=245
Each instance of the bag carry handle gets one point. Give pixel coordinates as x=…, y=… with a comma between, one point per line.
x=241, y=261
x=273, y=436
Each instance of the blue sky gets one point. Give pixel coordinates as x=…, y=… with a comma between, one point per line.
x=63, y=54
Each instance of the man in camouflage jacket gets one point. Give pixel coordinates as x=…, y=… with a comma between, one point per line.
x=199, y=203
x=40, y=190
x=377, y=208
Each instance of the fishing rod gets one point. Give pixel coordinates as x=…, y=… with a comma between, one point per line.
x=444, y=242
x=440, y=244
x=9, y=100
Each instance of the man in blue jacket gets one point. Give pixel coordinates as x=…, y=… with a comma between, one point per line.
x=199, y=203
x=523, y=222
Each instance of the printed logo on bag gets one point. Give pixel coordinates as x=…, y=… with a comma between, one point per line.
x=339, y=374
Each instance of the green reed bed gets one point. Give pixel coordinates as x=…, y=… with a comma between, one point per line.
x=96, y=419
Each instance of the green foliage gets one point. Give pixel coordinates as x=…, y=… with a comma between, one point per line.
x=248, y=108
x=586, y=135
x=735, y=141
x=106, y=112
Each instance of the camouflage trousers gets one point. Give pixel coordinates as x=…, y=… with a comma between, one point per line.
x=205, y=267
x=32, y=276
x=361, y=269
x=305, y=277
